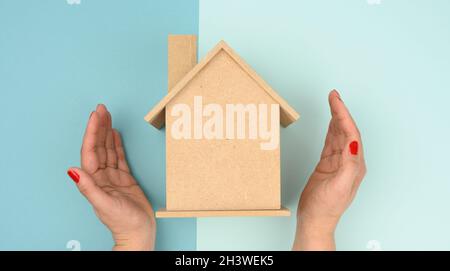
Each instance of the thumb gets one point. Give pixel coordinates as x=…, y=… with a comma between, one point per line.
x=85, y=183
x=349, y=171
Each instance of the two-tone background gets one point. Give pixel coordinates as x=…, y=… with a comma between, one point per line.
x=390, y=59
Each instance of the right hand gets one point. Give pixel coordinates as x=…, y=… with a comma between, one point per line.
x=106, y=181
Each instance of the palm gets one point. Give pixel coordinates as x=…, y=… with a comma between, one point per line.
x=331, y=158
x=127, y=199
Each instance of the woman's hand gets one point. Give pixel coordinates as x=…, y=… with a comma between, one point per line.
x=334, y=182
x=106, y=181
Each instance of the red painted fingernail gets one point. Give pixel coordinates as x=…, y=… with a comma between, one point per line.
x=354, y=147
x=75, y=177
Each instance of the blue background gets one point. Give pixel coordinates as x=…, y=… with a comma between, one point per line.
x=57, y=61
x=391, y=63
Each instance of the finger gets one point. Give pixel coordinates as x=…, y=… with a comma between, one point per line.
x=346, y=176
x=351, y=173
x=356, y=153
x=342, y=122
x=94, y=194
x=360, y=177
x=89, y=156
x=111, y=156
x=341, y=117
x=121, y=159
x=102, y=113
x=328, y=148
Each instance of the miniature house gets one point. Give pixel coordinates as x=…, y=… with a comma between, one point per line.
x=222, y=135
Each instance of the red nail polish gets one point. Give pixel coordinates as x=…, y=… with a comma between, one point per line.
x=75, y=177
x=354, y=147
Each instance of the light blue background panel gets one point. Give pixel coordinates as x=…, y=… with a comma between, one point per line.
x=57, y=61
x=392, y=64
x=390, y=61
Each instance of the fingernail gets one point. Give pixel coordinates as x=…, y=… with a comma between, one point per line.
x=338, y=95
x=90, y=116
x=354, y=147
x=72, y=174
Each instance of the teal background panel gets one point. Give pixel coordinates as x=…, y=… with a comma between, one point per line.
x=391, y=62
x=57, y=61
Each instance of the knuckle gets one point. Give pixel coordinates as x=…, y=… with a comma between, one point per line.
x=84, y=189
x=353, y=165
x=363, y=168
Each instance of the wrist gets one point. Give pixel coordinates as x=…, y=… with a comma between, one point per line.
x=320, y=225
x=136, y=241
x=315, y=234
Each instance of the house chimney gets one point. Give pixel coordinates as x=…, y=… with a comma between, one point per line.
x=182, y=57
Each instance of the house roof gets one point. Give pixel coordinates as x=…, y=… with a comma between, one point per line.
x=156, y=116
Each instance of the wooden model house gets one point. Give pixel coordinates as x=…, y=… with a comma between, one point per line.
x=222, y=135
